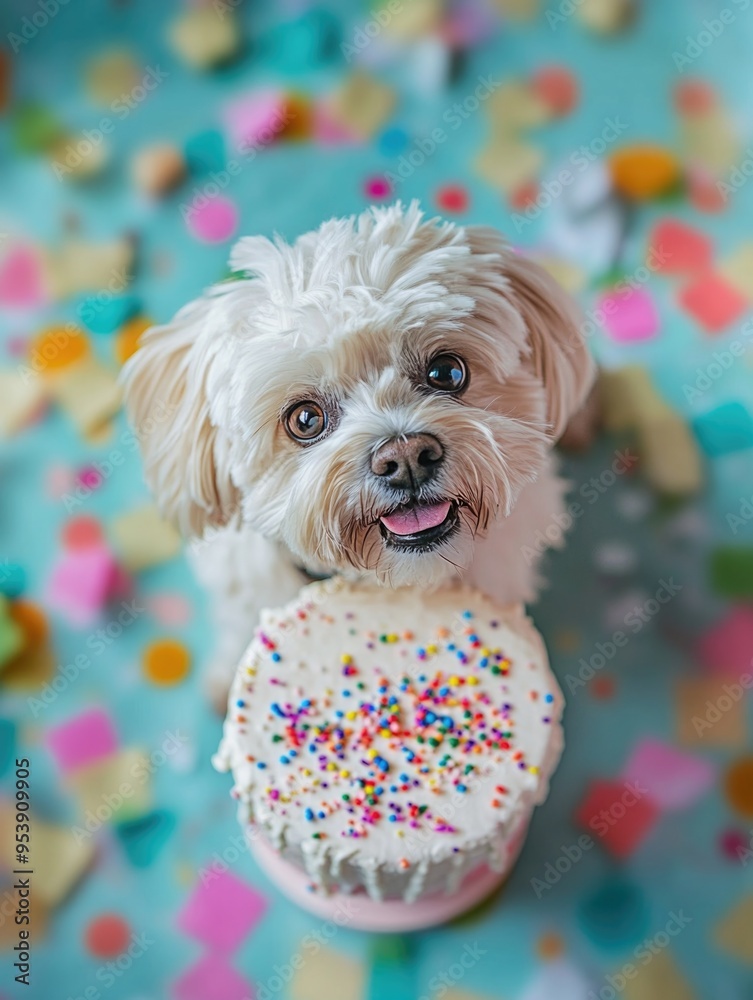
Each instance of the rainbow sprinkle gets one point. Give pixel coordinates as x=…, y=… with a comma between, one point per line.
x=365, y=746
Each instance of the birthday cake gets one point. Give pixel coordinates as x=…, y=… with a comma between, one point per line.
x=392, y=742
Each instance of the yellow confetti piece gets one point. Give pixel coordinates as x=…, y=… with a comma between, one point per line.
x=142, y=538
x=732, y=933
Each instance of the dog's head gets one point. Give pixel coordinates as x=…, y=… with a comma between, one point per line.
x=371, y=396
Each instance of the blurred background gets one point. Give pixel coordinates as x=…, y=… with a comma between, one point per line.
x=613, y=141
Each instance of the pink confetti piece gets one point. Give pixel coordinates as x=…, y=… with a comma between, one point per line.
x=329, y=132
x=727, y=647
x=211, y=976
x=18, y=347
x=255, y=120
x=377, y=188
x=21, y=282
x=734, y=845
x=170, y=609
x=89, y=477
x=83, y=740
x=673, y=779
x=214, y=220
x=83, y=581
x=60, y=479
x=630, y=315
x=221, y=911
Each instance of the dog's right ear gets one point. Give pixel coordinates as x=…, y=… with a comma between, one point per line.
x=166, y=398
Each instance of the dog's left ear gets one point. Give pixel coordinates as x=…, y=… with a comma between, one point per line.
x=559, y=356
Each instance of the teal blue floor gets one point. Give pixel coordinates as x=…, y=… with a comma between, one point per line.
x=601, y=909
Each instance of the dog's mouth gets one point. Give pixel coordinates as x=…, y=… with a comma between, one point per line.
x=419, y=526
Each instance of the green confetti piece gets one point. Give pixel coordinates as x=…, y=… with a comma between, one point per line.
x=34, y=128
x=731, y=571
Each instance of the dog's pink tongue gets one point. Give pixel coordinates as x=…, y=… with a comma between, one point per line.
x=408, y=522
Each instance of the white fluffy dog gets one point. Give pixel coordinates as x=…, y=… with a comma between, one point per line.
x=379, y=398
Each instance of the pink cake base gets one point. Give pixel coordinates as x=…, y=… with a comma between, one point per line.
x=389, y=916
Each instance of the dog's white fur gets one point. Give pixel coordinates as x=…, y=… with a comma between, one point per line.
x=351, y=315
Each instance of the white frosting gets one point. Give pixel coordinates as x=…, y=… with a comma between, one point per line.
x=355, y=704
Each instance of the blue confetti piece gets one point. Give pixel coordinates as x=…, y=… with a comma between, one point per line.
x=144, y=838
x=393, y=141
x=616, y=915
x=7, y=744
x=103, y=313
x=205, y=152
x=12, y=580
x=726, y=429
x=394, y=971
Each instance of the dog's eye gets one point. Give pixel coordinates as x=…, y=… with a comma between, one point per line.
x=447, y=373
x=306, y=421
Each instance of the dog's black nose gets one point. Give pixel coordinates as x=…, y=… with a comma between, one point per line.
x=409, y=461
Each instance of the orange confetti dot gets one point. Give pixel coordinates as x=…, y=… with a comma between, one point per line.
x=602, y=687
x=644, y=172
x=57, y=348
x=557, y=87
x=524, y=196
x=166, y=662
x=127, y=340
x=694, y=97
x=298, y=118
x=81, y=532
x=32, y=621
x=550, y=945
x=567, y=641
x=738, y=786
x=107, y=936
